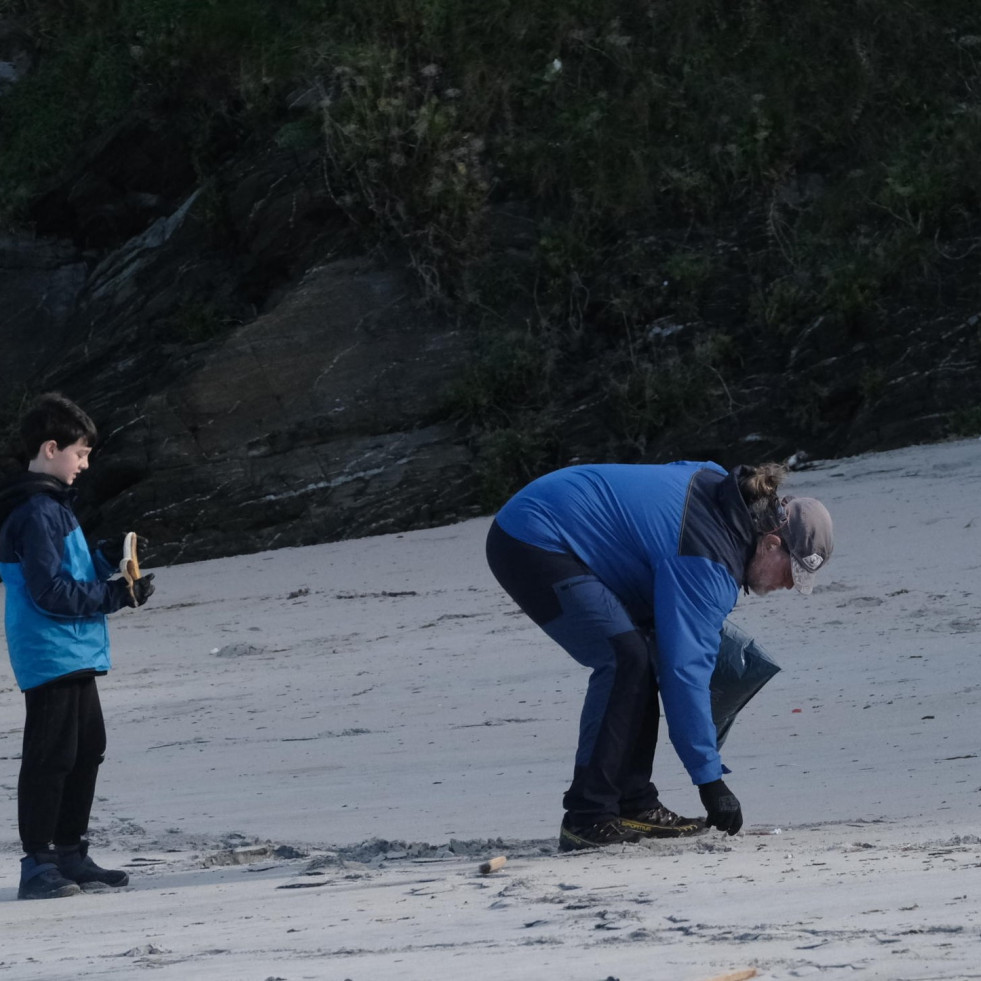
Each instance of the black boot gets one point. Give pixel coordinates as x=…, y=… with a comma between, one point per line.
x=659, y=822
x=74, y=864
x=574, y=838
x=40, y=878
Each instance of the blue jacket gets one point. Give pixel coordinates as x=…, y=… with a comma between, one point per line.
x=57, y=596
x=673, y=542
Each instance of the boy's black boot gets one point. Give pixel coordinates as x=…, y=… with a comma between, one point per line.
x=75, y=864
x=41, y=879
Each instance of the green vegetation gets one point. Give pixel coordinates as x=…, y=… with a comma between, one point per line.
x=741, y=169
x=966, y=422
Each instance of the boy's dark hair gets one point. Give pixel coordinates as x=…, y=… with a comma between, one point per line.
x=52, y=416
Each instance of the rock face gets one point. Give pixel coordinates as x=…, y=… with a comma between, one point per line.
x=263, y=394
x=310, y=424
x=40, y=282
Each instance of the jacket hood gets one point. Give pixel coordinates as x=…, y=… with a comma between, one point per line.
x=18, y=488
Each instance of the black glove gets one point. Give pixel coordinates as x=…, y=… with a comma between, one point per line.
x=112, y=548
x=142, y=590
x=722, y=807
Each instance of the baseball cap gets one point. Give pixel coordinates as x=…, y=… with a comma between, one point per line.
x=809, y=538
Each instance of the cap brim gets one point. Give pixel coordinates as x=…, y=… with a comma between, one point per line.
x=803, y=578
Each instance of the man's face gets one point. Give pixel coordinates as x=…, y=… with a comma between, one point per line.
x=65, y=464
x=769, y=569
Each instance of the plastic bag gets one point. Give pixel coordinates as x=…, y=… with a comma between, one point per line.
x=742, y=669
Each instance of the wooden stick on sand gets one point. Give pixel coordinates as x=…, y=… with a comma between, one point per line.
x=492, y=865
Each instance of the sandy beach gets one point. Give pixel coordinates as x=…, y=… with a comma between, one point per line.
x=312, y=750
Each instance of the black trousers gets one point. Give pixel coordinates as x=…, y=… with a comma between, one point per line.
x=64, y=744
x=619, y=722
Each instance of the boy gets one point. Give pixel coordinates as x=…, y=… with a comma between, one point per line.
x=57, y=596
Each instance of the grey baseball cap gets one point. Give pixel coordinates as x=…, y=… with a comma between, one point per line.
x=809, y=538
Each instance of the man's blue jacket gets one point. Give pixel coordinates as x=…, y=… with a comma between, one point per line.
x=57, y=596
x=673, y=542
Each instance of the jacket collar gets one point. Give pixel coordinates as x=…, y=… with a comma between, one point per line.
x=738, y=516
x=19, y=487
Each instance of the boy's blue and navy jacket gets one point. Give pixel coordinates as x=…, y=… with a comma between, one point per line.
x=57, y=593
x=673, y=542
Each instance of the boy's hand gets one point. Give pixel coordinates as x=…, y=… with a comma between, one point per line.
x=141, y=589
x=112, y=548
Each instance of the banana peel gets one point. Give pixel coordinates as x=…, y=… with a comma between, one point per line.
x=129, y=566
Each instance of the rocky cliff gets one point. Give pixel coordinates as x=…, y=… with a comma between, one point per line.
x=277, y=390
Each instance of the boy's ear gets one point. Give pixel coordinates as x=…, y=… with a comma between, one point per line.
x=48, y=449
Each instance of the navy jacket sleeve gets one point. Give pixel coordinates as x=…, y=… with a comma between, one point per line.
x=692, y=597
x=104, y=569
x=58, y=569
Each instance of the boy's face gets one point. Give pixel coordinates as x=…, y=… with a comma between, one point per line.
x=64, y=464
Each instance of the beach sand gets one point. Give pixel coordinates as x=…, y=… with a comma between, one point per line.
x=312, y=750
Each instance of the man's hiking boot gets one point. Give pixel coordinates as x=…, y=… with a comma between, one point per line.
x=659, y=822
x=611, y=832
x=75, y=864
x=41, y=879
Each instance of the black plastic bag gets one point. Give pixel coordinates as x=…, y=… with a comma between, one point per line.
x=742, y=669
